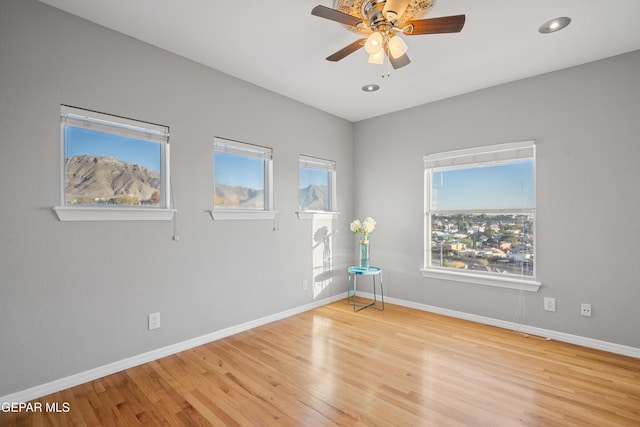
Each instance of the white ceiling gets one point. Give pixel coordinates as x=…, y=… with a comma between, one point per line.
x=280, y=46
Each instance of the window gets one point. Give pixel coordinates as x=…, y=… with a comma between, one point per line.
x=317, y=184
x=480, y=211
x=113, y=168
x=242, y=180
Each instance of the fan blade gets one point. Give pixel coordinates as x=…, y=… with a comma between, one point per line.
x=335, y=15
x=346, y=51
x=399, y=62
x=446, y=24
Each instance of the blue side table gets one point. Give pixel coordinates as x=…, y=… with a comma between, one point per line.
x=360, y=271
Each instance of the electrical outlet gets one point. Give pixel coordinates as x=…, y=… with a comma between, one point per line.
x=154, y=321
x=549, y=304
x=305, y=285
x=585, y=310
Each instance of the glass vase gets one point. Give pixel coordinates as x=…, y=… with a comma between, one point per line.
x=364, y=254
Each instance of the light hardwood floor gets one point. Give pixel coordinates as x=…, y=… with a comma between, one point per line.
x=331, y=366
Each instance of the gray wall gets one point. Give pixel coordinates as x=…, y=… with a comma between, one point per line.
x=586, y=121
x=75, y=296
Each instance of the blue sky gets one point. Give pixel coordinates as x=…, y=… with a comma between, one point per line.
x=243, y=171
x=309, y=176
x=81, y=141
x=506, y=185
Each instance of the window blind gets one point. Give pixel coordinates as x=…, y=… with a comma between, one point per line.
x=71, y=116
x=485, y=155
x=241, y=148
x=315, y=163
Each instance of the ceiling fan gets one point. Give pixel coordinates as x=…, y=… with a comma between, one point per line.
x=383, y=21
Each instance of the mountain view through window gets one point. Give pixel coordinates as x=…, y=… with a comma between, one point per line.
x=107, y=169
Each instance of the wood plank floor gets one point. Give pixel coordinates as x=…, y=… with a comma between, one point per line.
x=333, y=367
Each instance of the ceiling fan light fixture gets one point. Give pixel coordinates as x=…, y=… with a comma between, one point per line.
x=373, y=44
x=382, y=21
x=405, y=10
x=554, y=25
x=397, y=47
x=376, y=58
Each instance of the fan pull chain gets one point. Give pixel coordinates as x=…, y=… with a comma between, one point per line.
x=388, y=63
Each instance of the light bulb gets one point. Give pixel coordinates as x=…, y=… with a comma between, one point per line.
x=554, y=25
x=397, y=47
x=376, y=58
x=374, y=43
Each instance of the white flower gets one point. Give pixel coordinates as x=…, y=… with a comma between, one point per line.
x=364, y=228
x=368, y=225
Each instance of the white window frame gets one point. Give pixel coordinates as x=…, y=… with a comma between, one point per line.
x=469, y=157
x=78, y=117
x=325, y=165
x=226, y=145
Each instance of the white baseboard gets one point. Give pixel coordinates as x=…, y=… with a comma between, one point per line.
x=559, y=336
x=99, y=372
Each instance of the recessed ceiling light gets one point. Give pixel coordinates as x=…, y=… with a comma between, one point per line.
x=554, y=25
x=370, y=88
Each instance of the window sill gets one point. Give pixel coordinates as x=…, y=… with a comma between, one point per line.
x=217, y=215
x=113, y=214
x=317, y=214
x=501, y=282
